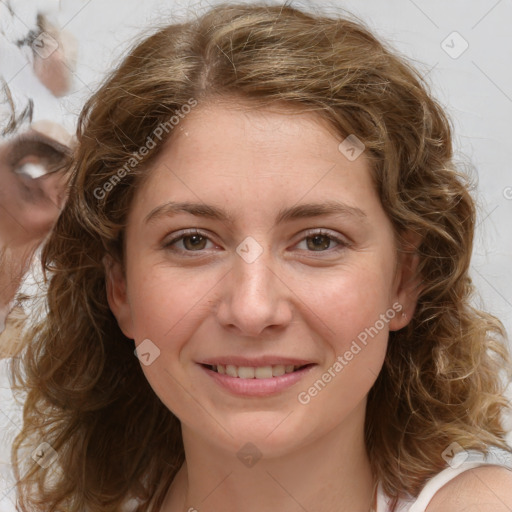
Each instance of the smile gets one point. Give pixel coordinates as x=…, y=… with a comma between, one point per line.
x=255, y=381
x=251, y=372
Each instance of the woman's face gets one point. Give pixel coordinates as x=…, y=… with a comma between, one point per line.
x=293, y=264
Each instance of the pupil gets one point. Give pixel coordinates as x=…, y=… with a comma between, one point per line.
x=316, y=238
x=197, y=240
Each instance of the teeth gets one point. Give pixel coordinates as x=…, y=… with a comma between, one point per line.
x=264, y=372
x=231, y=370
x=250, y=372
x=278, y=370
x=246, y=372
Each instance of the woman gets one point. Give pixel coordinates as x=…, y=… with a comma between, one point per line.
x=320, y=351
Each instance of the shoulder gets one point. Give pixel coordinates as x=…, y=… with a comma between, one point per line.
x=481, y=489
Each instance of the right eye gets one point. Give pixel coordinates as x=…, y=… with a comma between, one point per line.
x=197, y=240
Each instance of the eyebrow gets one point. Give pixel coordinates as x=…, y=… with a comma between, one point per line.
x=301, y=211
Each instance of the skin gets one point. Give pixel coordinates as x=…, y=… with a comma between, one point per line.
x=203, y=301
x=483, y=489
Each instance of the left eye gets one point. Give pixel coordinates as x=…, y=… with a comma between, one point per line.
x=317, y=241
x=320, y=240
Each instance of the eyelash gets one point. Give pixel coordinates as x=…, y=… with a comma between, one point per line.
x=343, y=244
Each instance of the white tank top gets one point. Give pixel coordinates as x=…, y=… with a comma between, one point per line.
x=461, y=462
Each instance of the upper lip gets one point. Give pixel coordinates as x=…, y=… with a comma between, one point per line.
x=255, y=361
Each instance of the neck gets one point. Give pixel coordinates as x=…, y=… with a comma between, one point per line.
x=331, y=474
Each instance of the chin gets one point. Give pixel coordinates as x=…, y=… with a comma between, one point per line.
x=267, y=434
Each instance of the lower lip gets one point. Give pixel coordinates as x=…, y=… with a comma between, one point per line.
x=257, y=387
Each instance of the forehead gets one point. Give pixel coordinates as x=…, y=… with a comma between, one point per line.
x=225, y=153
x=266, y=132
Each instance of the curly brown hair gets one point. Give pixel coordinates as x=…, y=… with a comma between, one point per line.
x=86, y=393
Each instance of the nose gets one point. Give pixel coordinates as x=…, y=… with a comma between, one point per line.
x=255, y=298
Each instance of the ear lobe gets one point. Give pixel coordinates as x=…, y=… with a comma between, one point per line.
x=408, y=283
x=115, y=282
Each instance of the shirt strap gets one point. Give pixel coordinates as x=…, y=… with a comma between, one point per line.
x=464, y=461
x=459, y=462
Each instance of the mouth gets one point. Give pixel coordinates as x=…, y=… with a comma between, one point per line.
x=265, y=377
x=255, y=372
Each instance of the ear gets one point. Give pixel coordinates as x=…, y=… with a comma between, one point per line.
x=408, y=284
x=116, y=295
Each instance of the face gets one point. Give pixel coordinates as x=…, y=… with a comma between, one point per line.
x=261, y=279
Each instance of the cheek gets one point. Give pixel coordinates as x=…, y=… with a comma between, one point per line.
x=350, y=301
x=357, y=313
x=166, y=308
x=166, y=303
